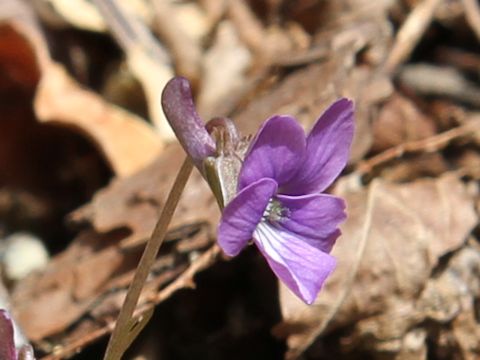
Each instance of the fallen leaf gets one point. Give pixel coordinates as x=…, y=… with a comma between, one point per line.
x=225, y=68
x=391, y=242
x=400, y=121
x=127, y=142
x=92, y=274
x=136, y=202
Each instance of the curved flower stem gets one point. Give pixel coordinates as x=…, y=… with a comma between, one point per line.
x=126, y=328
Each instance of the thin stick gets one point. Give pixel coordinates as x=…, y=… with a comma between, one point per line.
x=146, y=57
x=430, y=144
x=185, y=51
x=120, y=336
x=411, y=32
x=185, y=280
x=472, y=13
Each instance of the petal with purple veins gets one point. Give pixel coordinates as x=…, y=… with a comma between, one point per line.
x=328, y=147
x=242, y=215
x=300, y=266
x=275, y=153
x=313, y=217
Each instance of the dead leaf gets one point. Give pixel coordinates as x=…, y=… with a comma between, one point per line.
x=390, y=244
x=400, y=121
x=93, y=273
x=127, y=142
x=225, y=65
x=136, y=202
x=83, y=14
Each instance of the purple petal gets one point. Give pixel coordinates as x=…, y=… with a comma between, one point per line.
x=315, y=218
x=7, y=346
x=275, y=153
x=300, y=266
x=242, y=215
x=177, y=103
x=328, y=147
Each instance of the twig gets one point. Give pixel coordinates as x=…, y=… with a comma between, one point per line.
x=147, y=59
x=302, y=58
x=129, y=31
x=182, y=281
x=121, y=338
x=249, y=28
x=458, y=58
x=430, y=144
x=443, y=81
x=185, y=51
x=410, y=33
x=214, y=10
x=72, y=348
x=472, y=13
x=186, y=279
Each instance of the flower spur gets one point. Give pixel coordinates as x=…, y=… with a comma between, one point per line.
x=279, y=203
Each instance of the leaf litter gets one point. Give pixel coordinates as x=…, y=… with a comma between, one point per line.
x=406, y=285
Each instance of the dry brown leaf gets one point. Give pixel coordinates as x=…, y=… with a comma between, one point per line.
x=62, y=285
x=406, y=169
x=17, y=60
x=127, y=142
x=393, y=238
x=225, y=65
x=83, y=14
x=182, y=27
x=146, y=57
x=81, y=278
x=154, y=76
x=136, y=202
x=308, y=91
x=400, y=121
x=91, y=276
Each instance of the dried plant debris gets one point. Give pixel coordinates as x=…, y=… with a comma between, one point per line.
x=127, y=142
x=87, y=161
x=91, y=276
x=391, y=244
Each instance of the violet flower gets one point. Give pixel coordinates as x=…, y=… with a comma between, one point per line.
x=279, y=202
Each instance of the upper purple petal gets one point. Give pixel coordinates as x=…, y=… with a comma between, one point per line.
x=242, y=215
x=177, y=103
x=300, y=266
x=328, y=147
x=314, y=217
x=275, y=153
x=7, y=346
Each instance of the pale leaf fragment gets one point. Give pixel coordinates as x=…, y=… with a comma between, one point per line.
x=153, y=76
x=224, y=66
x=128, y=143
x=84, y=15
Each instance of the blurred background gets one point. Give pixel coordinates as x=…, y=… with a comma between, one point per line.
x=87, y=159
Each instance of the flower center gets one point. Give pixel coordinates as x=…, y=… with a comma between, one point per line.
x=275, y=211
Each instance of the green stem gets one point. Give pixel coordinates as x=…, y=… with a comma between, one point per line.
x=122, y=333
